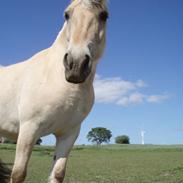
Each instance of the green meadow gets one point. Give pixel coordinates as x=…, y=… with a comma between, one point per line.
x=107, y=164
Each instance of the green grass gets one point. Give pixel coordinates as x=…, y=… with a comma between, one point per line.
x=108, y=164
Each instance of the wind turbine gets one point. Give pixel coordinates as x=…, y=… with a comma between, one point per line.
x=142, y=136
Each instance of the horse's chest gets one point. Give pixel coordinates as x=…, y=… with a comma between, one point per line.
x=69, y=111
x=75, y=108
x=56, y=109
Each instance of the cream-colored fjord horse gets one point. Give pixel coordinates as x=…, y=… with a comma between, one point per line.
x=52, y=92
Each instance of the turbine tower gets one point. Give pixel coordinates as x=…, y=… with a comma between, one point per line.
x=142, y=137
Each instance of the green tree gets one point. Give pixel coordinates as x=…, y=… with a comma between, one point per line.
x=99, y=135
x=123, y=139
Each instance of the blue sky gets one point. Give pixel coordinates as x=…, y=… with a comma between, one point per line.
x=139, y=79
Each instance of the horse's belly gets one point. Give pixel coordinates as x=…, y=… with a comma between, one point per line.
x=9, y=129
x=9, y=122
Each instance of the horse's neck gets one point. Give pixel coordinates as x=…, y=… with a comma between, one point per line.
x=61, y=39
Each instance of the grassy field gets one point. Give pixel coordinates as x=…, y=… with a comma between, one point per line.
x=108, y=164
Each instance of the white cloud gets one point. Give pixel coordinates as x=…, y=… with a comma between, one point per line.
x=131, y=99
x=109, y=90
x=157, y=98
x=136, y=97
x=122, y=92
x=141, y=84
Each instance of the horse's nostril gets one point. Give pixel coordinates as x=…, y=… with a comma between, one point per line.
x=68, y=62
x=66, y=55
x=87, y=58
x=65, y=61
x=70, y=65
x=86, y=62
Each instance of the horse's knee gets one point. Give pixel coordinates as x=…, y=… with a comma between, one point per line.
x=59, y=175
x=18, y=175
x=58, y=172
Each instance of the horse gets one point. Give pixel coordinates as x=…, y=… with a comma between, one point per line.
x=52, y=92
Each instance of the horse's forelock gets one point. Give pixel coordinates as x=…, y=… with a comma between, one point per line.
x=101, y=3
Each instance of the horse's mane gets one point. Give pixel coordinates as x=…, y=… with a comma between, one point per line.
x=102, y=4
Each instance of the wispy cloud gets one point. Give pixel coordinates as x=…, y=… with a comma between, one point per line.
x=124, y=93
x=157, y=98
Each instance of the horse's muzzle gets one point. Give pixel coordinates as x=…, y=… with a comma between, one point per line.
x=77, y=71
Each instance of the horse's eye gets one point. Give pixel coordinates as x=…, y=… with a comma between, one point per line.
x=103, y=16
x=66, y=15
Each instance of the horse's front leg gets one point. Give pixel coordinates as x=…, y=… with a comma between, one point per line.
x=64, y=144
x=25, y=143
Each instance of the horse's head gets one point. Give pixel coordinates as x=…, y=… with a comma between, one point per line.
x=85, y=38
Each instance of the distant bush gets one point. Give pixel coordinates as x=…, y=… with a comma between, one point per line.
x=9, y=141
x=39, y=141
x=123, y=139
